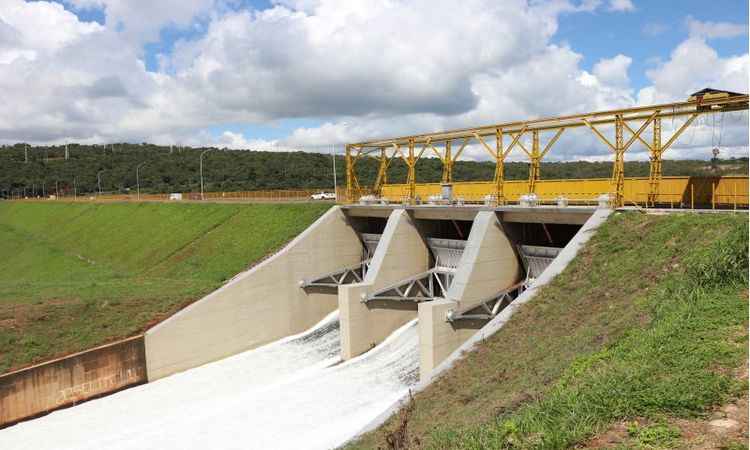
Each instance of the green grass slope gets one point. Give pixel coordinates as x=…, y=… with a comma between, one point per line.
x=73, y=276
x=648, y=322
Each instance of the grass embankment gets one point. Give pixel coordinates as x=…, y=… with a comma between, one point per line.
x=73, y=276
x=648, y=325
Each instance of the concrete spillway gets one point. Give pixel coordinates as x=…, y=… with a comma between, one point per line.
x=223, y=370
x=293, y=393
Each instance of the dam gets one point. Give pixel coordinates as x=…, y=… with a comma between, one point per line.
x=324, y=336
x=371, y=301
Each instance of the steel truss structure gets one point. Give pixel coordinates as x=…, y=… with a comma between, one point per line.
x=431, y=284
x=489, y=307
x=349, y=274
x=426, y=286
x=535, y=260
x=346, y=275
x=629, y=123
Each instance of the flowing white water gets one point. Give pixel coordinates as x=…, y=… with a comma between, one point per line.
x=290, y=394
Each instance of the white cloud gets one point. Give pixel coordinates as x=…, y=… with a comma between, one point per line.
x=710, y=30
x=692, y=66
x=614, y=71
x=141, y=20
x=621, y=5
x=378, y=66
x=26, y=29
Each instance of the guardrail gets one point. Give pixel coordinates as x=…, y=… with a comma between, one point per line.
x=261, y=195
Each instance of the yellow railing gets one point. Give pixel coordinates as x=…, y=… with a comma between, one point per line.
x=682, y=192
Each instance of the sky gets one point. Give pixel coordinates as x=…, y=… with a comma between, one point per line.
x=281, y=74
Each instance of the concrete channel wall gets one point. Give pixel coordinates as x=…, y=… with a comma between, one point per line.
x=401, y=253
x=258, y=306
x=488, y=265
x=55, y=384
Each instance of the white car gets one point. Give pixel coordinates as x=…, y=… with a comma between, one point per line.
x=323, y=196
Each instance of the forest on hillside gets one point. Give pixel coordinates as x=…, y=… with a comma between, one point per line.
x=40, y=170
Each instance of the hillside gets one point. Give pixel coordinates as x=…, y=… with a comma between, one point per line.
x=635, y=345
x=177, y=170
x=73, y=276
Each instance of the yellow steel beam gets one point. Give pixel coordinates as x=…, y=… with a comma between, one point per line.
x=516, y=140
x=552, y=141
x=486, y=147
x=381, y=178
x=499, y=168
x=654, y=176
x=599, y=135
x=734, y=103
x=640, y=138
x=618, y=169
x=679, y=132
x=461, y=149
x=535, y=157
x=637, y=134
x=447, y=164
x=436, y=152
x=411, y=177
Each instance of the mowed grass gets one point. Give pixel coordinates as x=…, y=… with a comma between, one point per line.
x=73, y=276
x=649, y=321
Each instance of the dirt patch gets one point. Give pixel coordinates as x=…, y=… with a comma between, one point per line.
x=724, y=427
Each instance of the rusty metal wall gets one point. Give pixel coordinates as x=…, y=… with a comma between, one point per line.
x=66, y=381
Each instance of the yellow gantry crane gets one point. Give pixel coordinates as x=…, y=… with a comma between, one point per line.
x=630, y=125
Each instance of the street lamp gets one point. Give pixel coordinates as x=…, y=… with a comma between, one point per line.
x=137, y=178
x=99, y=180
x=333, y=157
x=201, y=166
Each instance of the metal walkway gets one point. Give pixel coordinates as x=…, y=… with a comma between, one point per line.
x=431, y=284
x=535, y=260
x=349, y=274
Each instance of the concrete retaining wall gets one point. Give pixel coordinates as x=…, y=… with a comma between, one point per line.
x=258, y=306
x=487, y=266
x=401, y=253
x=66, y=381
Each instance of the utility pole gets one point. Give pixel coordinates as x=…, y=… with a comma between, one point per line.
x=201, y=170
x=26, y=153
x=75, y=190
x=66, y=152
x=57, y=189
x=137, y=178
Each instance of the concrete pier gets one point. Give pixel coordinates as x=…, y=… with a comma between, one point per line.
x=488, y=265
x=401, y=253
